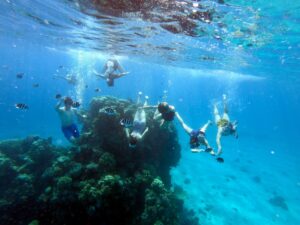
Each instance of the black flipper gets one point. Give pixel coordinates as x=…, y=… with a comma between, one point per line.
x=220, y=159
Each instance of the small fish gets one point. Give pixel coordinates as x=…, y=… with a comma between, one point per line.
x=35, y=85
x=58, y=96
x=127, y=123
x=60, y=66
x=19, y=75
x=86, y=86
x=75, y=104
x=109, y=111
x=97, y=90
x=21, y=106
x=207, y=58
x=220, y=160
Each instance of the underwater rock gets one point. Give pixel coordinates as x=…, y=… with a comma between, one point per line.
x=187, y=181
x=279, y=201
x=34, y=222
x=100, y=181
x=256, y=179
x=64, y=183
x=107, y=162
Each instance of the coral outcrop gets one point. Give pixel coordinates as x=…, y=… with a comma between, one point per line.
x=100, y=181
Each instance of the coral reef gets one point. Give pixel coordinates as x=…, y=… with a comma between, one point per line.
x=100, y=181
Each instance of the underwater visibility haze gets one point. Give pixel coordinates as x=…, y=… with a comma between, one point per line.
x=191, y=54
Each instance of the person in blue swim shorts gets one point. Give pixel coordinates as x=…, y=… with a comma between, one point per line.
x=197, y=136
x=67, y=116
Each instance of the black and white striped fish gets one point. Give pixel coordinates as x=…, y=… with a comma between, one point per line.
x=21, y=106
x=127, y=123
x=110, y=111
x=58, y=96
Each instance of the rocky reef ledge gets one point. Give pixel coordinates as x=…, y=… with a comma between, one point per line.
x=101, y=181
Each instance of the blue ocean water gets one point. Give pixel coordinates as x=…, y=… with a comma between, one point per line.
x=256, y=64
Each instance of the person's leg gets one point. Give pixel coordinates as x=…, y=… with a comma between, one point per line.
x=205, y=126
x=142, y=116
x=67, y=133
x=218, y=140
x=216, y=113
x=146, y=101
x=225, y=104
x=118, y=66
x=226, y=116
x=75, y=131
x=116, y=76
x=139, y=98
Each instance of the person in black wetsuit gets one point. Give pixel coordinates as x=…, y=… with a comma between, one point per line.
x=109, y=71
x=197, y=136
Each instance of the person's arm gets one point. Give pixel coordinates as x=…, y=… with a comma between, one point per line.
x=127, y=132
x=225, y=104
x=58, y=105
x=185, y=127
x=149, y=106
x=99, y=74
x=78, y=114
x=116, y=76
x=145, y=131
x=157, y=115
x=218, y=140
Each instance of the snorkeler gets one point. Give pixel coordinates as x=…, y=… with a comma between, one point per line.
x=71, y=79
x=67, y=114
x=197, y=136
x=164, y=112
x=225, y=126
x=139, y=128
x=109, y=72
